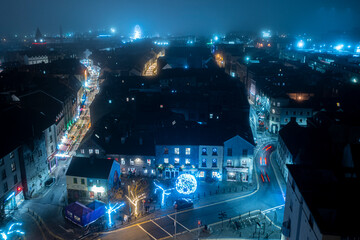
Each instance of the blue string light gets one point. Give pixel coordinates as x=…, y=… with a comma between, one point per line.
x=165, y=192
x=186, y=184
x=112, y=209
x=5, y=234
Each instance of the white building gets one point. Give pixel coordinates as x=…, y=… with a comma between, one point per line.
x=238, y=159
x=31, y=59
x=321, y=204
x=211, y=159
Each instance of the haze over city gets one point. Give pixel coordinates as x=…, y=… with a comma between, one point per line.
x=193, y=119
x=181, y=17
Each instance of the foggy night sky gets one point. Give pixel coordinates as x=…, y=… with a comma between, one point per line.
x=179, y=17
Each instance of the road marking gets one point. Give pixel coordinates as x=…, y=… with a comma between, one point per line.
x=42, y=232
x=179, y=224
x=161, y=228
x=146, y=232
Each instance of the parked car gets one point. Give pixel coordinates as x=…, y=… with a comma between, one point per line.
x=50, y=182
x=183, y=203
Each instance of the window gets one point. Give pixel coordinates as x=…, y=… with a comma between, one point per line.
x=15, y=179
x=204, y=151
x=50, y=129
x=187, y=151
x=294, y=113
x=201, y=174
x=166, y=151
x=82, y=181
x=286, y=120
x=176, y=161
x=300, y=120
x=214, y=151
x=148, y=161
x=245, y=152
x=123, y=161
x=75, y=180
x=214, y=162
x=52, y=148
x=229, y=162
x=203, y=163
x=272, y=118
x=278, y=104
x=176, y=151
x=132, y=163
x=243, y=162
x=229, y=151
x=91, y=151
x=166, y=160
x=97, y=151
x=11, y=155
x=287, y=113
x=76, y=218
x=13, y=166
x=3, y=174
x=82, y=151
x=6, y=188
x=187, y=161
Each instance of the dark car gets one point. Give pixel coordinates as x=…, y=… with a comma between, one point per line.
x=50, y=182
x=183, y=203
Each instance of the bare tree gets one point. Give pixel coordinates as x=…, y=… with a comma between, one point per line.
x=137, y=191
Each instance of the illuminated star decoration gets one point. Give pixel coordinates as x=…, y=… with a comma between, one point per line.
x=166, y=192
x=5, y=235
x=112, y=209
x=186, y=184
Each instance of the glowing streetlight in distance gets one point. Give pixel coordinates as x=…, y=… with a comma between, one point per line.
x=300, y=44
x=112, y=30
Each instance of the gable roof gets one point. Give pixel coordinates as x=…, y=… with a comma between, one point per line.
x=90, y=167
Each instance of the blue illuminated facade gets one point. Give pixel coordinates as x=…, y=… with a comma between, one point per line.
x=173, y=159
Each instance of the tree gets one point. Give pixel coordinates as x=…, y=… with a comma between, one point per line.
x=137, y=191
x=116, y=194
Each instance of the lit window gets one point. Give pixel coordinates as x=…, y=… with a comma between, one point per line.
x=132, y=162
x=204, y=151
x=214, y=174
x=145, y=171
x=166, y=160
x=177, y=151
x=214, y=162
x=243, y=162
x=123, y=161
x=187, y=151
x=82, y=151
x=187, y=161
x=203, y=163
x=201, y=174
x=91, y=151
x=148, y=161
x=96, y=151
x=214, y=151
x=229, y=163
x=176, y=161
x=13, y=166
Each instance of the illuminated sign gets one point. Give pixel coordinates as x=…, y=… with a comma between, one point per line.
x=97, y=189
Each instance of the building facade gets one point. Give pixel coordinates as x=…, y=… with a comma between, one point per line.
x=11, y=189
x=238, y=160
x=210, y=162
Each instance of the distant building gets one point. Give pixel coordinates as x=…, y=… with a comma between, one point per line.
x=91, y=178
x=31, y=59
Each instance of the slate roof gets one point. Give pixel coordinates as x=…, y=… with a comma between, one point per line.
x=90, y=167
